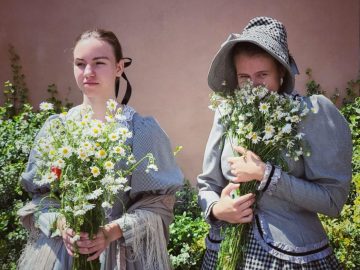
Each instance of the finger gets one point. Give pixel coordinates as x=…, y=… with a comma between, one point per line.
x=85, y=243
x=239, y=179
x=232, y=160
x=70, y=253
x=247, y=219
x=236, y=179
x=69, y=249
x=237, y=175
x=68, y=239
x=245, y=198
x=84, y=235
x=246, y=205
x=89, y=250
x=229, y=188
x=95, y=256
x=70, y=232
x=245, y=213
x=241, y=150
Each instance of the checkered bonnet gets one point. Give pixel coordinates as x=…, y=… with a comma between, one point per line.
x=267, y=33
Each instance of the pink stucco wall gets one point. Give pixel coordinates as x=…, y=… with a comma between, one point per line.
x=172, y=44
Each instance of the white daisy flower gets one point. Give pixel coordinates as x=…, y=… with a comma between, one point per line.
x=286, y=128
x=290, y=144
x=121, y=180
x=109, y=118
x=87, y=145
x=299, y=136
x=95, y=171
x=95, y=131
x=120, y=117
x=109, y=165
x=48, y=178
x=111, y=105
x=59, y=163
x=119, y=150
x=253, y=136
x=108, y=179
x=82, y=154
x=46, y=106
x=264, y=107
x=88, y=207
x=65, y=151
x=114, y=189
x=106, y=205
x=131, y=159
x=79, y=212
x=101, y=154
x=94, y=195
x=151, y=167
x=124, y=132
x=113, y=136
x=269, y=132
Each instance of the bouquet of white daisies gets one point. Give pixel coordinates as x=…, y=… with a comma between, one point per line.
x=266, y=123
x=78, y=159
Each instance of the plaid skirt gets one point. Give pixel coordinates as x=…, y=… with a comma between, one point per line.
x=258, y=258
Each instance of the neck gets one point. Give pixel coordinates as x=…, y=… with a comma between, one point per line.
x=98, y=106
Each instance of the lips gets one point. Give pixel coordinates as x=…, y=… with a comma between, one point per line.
x=90, y=83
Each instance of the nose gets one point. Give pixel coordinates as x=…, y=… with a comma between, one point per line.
x=89, y=72
x=257, y=81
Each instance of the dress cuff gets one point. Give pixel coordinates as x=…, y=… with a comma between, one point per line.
x=274, y=180
x=267, y=175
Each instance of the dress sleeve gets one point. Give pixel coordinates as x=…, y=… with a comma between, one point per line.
x=146, y=223
x=211, y=181
x=150, y=138
x=40, y=210
x=326, y=181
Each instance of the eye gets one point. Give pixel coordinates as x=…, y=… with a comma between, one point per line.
x=79, y=64
x=99, y=63
x=243, y=77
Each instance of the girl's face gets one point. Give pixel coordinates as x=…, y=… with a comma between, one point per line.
x=95, y=68
x=261, y=69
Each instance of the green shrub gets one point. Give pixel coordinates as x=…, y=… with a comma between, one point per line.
x=16, y=139
x=344, y=231
x=188, y=231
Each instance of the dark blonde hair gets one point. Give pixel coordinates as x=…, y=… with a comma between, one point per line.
x=103, y=35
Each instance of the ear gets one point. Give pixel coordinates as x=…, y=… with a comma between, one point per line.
x=120, y=68
x=282, y=71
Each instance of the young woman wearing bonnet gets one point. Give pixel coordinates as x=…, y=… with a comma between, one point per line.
x=286, y=232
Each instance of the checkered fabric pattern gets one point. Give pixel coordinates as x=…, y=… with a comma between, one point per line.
x=209, y=260
x=270, y=33
x=274, y=28
x=257, y=259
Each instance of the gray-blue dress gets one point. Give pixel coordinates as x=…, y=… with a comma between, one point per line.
x=149, y=206
x=286, y=231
